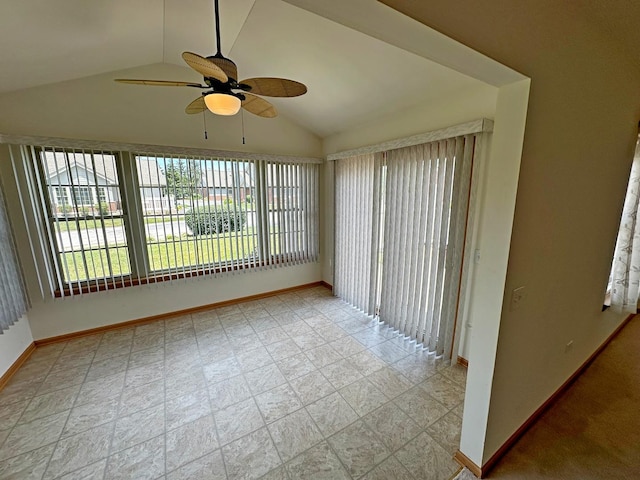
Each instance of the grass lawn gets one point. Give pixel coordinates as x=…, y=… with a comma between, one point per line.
x=203, y=249
x=71, y=224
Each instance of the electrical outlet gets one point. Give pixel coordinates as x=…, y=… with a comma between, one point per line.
x=477, y=256
x=517, y=296
x=568, y=347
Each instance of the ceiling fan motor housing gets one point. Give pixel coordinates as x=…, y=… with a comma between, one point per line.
x=226, y=65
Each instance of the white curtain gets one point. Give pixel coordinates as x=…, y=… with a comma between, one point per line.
x=13, y=300
x=625, y=271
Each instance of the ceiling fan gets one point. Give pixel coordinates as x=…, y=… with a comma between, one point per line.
x=221, y=95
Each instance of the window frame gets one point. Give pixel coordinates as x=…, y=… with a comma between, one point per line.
x=133, y=216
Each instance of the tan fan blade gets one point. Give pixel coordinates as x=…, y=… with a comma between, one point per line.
x=197, y=106
x=258, y=106
x=275, y=87
x=159, y=83
x=204, y=66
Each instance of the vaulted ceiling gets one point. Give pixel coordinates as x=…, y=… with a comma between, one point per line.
x=351, y=75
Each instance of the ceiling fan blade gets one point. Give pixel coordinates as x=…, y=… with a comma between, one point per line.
x=258, y=106
x=197, y=106
x=159, y=83
x=275, y=87
x=204, y=66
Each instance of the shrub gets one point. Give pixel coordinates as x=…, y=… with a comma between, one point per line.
x=103, y=209
x=205, y=220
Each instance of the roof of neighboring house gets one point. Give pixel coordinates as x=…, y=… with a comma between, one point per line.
x=104, y=166
x=221, y=178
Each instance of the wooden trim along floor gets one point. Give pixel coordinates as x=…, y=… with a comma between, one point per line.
x=162, y=316
x=482, y=472
x=4, y=379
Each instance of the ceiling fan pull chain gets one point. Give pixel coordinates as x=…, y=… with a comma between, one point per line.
x=242, y=117
x=204, y=122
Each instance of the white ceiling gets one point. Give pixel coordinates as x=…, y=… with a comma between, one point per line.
x=351, y=76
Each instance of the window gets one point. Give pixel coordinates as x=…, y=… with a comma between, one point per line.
x=119, y=219
x=82, y=196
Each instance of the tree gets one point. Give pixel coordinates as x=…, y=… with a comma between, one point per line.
x=183, y=178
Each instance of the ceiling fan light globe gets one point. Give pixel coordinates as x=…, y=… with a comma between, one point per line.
x=222, y=103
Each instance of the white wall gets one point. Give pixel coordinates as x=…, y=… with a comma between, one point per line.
x=13, y=343
x=464, y=106
x=581, y=128
x=97, y=108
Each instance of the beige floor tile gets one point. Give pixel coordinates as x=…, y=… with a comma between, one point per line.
x=273, y=335
x=311, y=387
x=363, y=396
x=295, y=366
x=209, y=467
x=251, y=457
x=279, y=473
x=29, y=436
x=283, y=349
x=108, y=366
x=366, y=362
x=89, y=415
x=143, y=375
x=388, y=352
x=145, y=461
x=139, y=427
x=228, y=392
x=417, y=367
x=359, y=448
x=341, y=373
x=78, y=451
x=63, y=378
x=218, y=371
x=101, y=389
x=391, y=468
x=317, y=463
x=238, y=420
x=347, y=346
x=427, y=460
x=332, y=414
x=94, y=471
x=390, y=382
x=323, y=356
x=189, y=382
x=187, y=408
x=446, y=431
x=420, y=406
x=28, y=466
x=11, y=413
x=190, y=441
x=254, y=358
x=392, y=426
x=294, y=434
x=264, y=379
x=139, y=398
x=443, y=390
x=278, y=402
x=141, y=358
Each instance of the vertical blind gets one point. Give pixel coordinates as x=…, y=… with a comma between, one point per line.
x=400, y=236
x=13, y=299
x=357, y=227
x=116, y=218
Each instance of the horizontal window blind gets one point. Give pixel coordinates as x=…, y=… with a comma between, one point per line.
x=114, y=219
x=13, y=298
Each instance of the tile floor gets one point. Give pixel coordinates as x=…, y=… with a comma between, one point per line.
x=295, y=386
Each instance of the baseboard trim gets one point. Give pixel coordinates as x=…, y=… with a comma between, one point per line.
x=463, y=361
x=465, y=461
x=176, y=313
x=481, y=472
x=327, y=285
x=4, y=379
